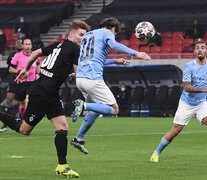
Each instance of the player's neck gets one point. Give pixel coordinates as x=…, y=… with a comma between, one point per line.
x=27, y=53
x=201, y=62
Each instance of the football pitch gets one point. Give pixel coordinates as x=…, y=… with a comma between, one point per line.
x=119, y=149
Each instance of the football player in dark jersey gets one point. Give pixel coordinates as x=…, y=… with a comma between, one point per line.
x=44, y=99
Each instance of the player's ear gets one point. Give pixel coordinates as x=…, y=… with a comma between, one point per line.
x=113, y=29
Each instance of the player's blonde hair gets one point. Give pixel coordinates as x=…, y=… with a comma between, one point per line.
x=76, y=24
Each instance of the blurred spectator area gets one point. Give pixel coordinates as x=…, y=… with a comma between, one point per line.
x=39, y=16
x=173, y=46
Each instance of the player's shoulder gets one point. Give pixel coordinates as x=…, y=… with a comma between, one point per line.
x=18, y=54
x=101, y=31
x=190, y=63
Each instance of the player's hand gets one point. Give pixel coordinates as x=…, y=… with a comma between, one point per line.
x=143, y=55
x=37, y=76
x=23, y=74
x=72, y=76
x=122, y=61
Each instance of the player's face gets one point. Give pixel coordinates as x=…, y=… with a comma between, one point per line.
x=200, y=51
x=27, y=46
x=77, y=35
x=18, y=46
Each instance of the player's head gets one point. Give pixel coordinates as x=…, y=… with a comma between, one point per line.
x=18, y=45
x=110, y=23
x=27, y=45
x=200, y=50
x=76, y=31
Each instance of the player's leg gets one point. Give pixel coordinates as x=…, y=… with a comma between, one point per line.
x=78, y=142
x=23, y=106
x=98, y=92
x=183, y=115
x=202, y=113
x=56, y=113
x=7, y=104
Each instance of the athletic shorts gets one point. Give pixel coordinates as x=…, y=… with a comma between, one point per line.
x=11, y=88
x=186, y=112
x=21, y=90
x=95, y=91
x=41, y=105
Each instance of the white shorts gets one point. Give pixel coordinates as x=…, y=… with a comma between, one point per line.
x=186, y=112
x=95, y=91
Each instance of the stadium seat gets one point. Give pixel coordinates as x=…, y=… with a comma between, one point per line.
x=161, y=97
x=155, y=52
x=149, y=95
x=171, y=104
x=187, y=56
x=177, y=34
x=176, y=48
x=166, y=40
x=188, y=41
x=166, y=34
x=155, y=49
x=137, y=95
x=125, y=42
x=165, y=52
x=175, y=51
x=144, y=49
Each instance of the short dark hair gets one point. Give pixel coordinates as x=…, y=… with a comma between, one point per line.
x=25, y=38
x=76, y=24
x=199, y=42
x=109, y=23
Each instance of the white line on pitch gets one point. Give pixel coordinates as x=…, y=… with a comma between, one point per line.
x=104, y=135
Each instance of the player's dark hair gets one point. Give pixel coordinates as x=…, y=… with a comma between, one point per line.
x=76, y=24
x=109, y=23
x=25, y=38
x=200, y=42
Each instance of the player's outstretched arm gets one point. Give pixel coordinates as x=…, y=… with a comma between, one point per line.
x=122, y=61
x=143, y=55
x=122, y=48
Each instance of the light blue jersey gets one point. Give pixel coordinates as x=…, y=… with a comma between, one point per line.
x=197, y=75
x=94, y=50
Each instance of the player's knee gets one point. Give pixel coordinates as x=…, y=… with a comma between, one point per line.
x=61, y=132
x=25, y=132
x=25, y=129
x=176, y=129
x=204, y=121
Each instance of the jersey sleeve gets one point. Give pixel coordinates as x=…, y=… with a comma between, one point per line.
x=10, y=58
x=186, y=74
x=15, y=60
x=76, y=55
x=48, y=50
x=110, y=40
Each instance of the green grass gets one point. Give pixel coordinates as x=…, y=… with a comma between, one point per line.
x=119, y=149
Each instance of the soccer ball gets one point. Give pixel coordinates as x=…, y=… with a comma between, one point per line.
x=144, y=31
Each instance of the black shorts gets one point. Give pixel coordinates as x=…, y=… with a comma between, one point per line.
x=21, y=90
x=41, y=105
x=11, y=88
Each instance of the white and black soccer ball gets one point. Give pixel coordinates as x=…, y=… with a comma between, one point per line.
x=144, y=31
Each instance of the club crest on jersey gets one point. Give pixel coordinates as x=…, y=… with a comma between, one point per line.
x=185, y=75
x=31, y=118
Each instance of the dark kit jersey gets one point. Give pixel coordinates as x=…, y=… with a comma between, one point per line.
x=56, y=67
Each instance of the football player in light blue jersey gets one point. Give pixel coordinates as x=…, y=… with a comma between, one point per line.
x=94, y=50
x=193, y=98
